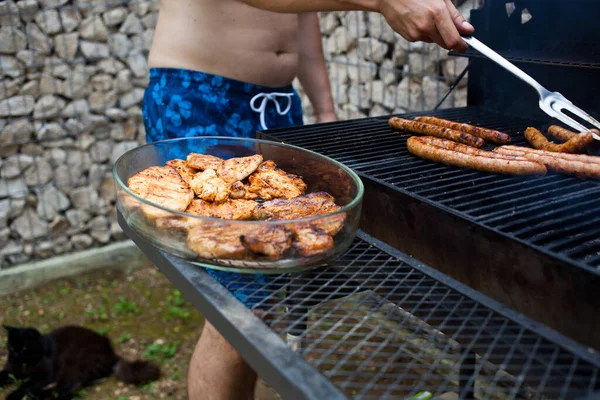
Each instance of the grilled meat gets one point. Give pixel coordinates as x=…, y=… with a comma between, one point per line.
x=162, y=186
x=270, y=241
x=208, y=186
x=461, y=148
x=223, y=191
x=239, y=190
x=177, y=223
x=270, y=182
x=229, y=209
x=422, y=128
x=237, y=169
x=575, y=144
x=560, y=133
x=487, y=134
x=457, y=157
x=309, y=241
x=579, y=165
x=186, y=172
x=330, y=225
x=218, y=241
x=203, y=161
x=303, y=206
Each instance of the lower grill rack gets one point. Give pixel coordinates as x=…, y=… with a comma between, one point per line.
x=380, y=325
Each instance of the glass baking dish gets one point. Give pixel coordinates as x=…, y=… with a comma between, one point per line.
x=177, y=232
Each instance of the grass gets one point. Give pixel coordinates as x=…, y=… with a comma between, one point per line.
x=141, y=312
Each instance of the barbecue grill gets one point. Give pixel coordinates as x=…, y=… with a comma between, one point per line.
x=530, y=243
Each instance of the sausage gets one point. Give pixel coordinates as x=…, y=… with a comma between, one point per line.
x=560, y=133
x=576, y=144
x=461, y=148
x=434, y=130
x=582, y=166
x=421, y=148
x=584, y=158
x=487, y=134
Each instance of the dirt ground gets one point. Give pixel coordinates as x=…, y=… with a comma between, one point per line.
x=140, y=311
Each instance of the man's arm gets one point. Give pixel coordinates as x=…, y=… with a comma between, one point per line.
x=416, y=20
x=312, y=72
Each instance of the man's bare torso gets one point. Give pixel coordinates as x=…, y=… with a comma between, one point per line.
x=228, y=38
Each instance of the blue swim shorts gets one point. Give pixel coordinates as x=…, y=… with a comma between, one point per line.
x=183, y=103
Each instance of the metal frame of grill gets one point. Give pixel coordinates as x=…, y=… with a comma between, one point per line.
x=379, y=324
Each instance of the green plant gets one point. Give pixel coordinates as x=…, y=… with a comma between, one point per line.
x=160, y=352
x=126, y=307
x=175, y=309
x=98, y=313
x=421, y=396
x=175, y=312
x=103, y=331
x=176, y=376
x=149, y=388
x=63, y=290
x=176, y=298
x=124, y=337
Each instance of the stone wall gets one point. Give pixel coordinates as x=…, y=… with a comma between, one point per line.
x=374, y=71
x=73, y=74
x=73, y=77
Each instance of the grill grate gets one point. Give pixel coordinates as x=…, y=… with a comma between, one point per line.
x=554, y=214
x=379, y=326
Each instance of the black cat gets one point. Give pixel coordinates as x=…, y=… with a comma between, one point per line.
x=68, y=359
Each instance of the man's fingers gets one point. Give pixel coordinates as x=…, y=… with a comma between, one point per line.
x=463, y=26
x=447, y=29
x=437, y=38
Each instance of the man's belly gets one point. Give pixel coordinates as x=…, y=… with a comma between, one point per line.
x=260, y=51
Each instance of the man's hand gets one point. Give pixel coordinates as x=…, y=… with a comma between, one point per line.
x=428, y=21
x=416, y=20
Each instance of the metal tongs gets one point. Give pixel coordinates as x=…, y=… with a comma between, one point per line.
x=552, y=103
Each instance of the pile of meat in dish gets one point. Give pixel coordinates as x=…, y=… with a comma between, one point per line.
x=459, y=145
x=244, y=188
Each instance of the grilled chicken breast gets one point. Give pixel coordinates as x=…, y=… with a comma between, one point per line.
x=309, y=241
x=203, y=162
x=270, y=241
x=163, y=186
x=239, y=190
x=229, y=209
x=208, y=186
x=270, y=182
x=237, y=169
x=218, y=241
x=302, y=206
x=186, y=172
x=331, y=224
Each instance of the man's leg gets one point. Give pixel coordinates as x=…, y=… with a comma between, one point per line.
x=217, y=371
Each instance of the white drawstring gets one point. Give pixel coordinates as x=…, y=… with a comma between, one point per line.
x=263, y=105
